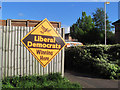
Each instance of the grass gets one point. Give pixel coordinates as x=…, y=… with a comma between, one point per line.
x=47, y=81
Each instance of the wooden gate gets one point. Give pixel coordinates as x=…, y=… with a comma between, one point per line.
x=17, y=60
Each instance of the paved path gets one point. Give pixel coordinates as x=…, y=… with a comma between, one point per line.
x=90, y=81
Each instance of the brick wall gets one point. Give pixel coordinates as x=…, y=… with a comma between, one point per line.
x=117, y=33
x=117, y=30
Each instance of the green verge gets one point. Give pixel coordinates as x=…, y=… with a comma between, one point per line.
x=100, y=60
x=47, y=81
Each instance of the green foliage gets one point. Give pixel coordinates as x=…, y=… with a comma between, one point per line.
x=110, y=37
x=92, y=31
x=47, y=81
x=80, y=29
x=98, y=59
x=99, y=19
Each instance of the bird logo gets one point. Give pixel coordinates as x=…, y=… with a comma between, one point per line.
x=44, y=29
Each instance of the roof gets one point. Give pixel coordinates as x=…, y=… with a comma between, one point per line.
x=117, y=22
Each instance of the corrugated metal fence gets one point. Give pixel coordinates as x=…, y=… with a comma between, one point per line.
x=17, y=60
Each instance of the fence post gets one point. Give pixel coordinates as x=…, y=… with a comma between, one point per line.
x=63, y=35
x=0, y=56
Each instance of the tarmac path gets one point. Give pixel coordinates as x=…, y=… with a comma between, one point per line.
x=90, y=81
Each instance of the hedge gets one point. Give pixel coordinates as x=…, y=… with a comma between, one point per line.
x=50, y=81
x=98, y=59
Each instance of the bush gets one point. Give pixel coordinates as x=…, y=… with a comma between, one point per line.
x=47, y=81
x=99, y=59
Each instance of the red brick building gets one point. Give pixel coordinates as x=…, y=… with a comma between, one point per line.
x=117, y=30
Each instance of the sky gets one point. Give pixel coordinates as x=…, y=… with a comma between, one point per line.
x=60, y=0
x=65, y=12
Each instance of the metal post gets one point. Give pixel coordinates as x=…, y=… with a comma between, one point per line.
x=105, y=21
x=1, y=44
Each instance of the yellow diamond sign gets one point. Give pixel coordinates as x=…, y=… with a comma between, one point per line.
x=44, y=42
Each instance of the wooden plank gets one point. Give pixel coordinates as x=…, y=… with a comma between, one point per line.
x=57, y=55
x=37, y=68
x=14, y=50
x=59, y=62
x=32, y=60
x=16, y=66
x=28, y=58
x=1, y=50
x=5, y=39
x=46, y=70
x=22, y=51
x=34, y=66
x=2, y=64
x=7, y=51
x=54, y=65
x=19, y=51
x=4, y=51
x=49, y=67
x=17, y=61
x=63, y=31
x=41, y=69
x=34, y=63
x=25, y=54
x=54, y=62
x=40, y=72
x=10, y=51
x=31, y=57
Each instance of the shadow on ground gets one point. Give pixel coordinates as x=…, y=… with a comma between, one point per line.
x=90, y=80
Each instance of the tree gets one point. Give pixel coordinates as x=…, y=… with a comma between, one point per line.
x=91, y=31
x=99, y=19
x=80, y=29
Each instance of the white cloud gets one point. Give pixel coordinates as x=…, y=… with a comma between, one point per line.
x=20, y=14
x=60, y=0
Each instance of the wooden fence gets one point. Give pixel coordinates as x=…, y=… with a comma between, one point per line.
x=17, y=60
